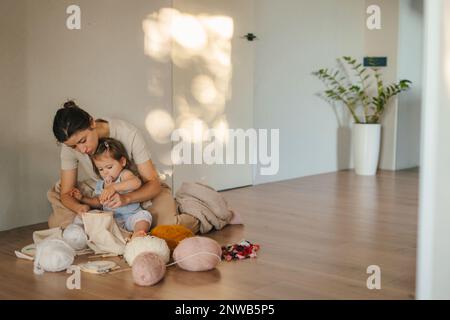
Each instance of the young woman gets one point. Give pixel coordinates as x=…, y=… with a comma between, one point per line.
x=79, y=134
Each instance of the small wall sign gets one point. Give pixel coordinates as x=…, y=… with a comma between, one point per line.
x=375, y=62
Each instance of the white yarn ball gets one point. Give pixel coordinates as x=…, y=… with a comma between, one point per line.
x=146, y=244
x=53, y=255
x=75, y=236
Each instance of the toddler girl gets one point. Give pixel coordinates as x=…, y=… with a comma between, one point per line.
x=112, y=164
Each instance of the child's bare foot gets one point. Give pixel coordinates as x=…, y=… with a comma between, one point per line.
x=140, y=233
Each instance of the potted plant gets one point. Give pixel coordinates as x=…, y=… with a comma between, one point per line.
x=366, y=104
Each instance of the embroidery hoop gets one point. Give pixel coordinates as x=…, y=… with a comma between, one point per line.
x=99, y=266
x=29, y=250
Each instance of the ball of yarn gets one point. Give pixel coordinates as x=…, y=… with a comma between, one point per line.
x=146, y=244
x=197, y=254
x=148, y=269
x=75, y=236
x=173, y=234
x=53, y=255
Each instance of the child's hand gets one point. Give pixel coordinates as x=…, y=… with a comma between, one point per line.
x=107, y=193
x=108, y=180
x=75, y=193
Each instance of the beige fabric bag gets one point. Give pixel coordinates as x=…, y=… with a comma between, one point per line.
x=104, y=236
x=54, y=233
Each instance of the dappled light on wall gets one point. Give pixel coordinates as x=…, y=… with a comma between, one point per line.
x=157, y=39
x=221, y=128
x=204, y=90
x=159, y=124
x=188, y=32
x=193, y=129
x=199, y=46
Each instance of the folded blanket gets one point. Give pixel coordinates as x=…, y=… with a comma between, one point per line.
x=204, y=203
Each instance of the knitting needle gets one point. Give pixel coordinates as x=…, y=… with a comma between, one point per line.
x=101, y=271
x=117, y=271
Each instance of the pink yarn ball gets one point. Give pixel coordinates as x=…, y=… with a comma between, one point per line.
x=197, y=254
x=148, y=269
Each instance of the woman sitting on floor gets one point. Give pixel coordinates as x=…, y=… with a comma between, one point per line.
x=79, y=135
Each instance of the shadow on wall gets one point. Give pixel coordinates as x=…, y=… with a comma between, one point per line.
x=344, y=149
x=343, y=136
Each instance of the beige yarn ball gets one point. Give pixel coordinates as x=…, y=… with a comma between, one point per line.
x=146, y=244
x=148, y=269
x=197, y=254
x=75, y=236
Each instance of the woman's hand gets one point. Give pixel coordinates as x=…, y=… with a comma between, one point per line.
x=116, y=201
x=75, y=193
x=107, y=193
x=83, y=208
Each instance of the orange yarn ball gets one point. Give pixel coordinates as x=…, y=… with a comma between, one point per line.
x=173, y=234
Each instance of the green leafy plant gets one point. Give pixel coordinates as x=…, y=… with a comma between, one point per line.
x=356, y=95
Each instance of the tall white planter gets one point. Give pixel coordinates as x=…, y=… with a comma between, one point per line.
x=366, y=148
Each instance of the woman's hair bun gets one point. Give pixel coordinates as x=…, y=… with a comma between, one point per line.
x=69, y=104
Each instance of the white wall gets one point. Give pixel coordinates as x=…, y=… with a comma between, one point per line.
x=301, y=36
x=297, y=38
x=103, y=66
x=409, y=67
x=384, y=42
x=433, y=259
x=13, y=112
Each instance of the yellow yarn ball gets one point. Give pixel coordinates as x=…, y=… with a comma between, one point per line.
x=173, y=234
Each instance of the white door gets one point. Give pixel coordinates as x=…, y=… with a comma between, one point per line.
x=212, y=82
